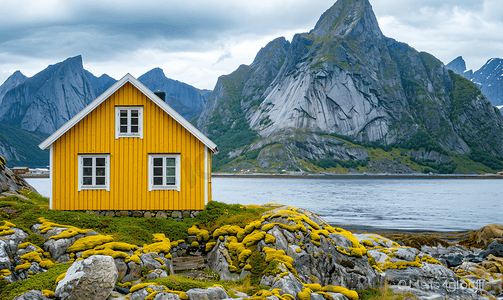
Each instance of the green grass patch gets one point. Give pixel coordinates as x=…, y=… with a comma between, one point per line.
x=40, y=281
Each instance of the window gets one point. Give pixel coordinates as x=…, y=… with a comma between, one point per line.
x=94, y=172
x=164, y=172
x=128, y=121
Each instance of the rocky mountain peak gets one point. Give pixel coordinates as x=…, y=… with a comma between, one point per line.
x=14, y=80
x=344, y=16
x=458, y=65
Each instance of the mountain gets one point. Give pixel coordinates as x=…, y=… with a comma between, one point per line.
x=338, y=87
x=99, y=84
x=49, y=99
x=32, y=108
x=489, y=78
x=185, y=99
x=14, y=80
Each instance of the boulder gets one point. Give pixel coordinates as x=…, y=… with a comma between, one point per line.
x=211, y=293
x=32, y=295
x=142, y=293
x=91, y=278
x=289, y=284
x=484, y=236
x=134, y=272
x=495, y=248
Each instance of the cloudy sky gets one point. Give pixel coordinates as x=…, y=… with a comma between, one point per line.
x=195, y=41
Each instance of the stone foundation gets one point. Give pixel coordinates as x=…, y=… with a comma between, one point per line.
x=159, y=214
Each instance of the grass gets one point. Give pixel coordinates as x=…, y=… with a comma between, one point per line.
x=40, y=281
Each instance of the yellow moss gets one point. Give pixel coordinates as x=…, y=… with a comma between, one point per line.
x=7, y=224
x=60, y=277
x=24, y=266
x=183, y=296
x=5, y=272
x=134, y=258
x=210, y=246
x=326, y=295
x=162, y=244
x=367, y=243
x=109, y=252
x=46, y=264
x=313, y=287
x=270, y=239
x=255, y=225
x=227, y=230
x=247, y=267
x=384, y=250
x=253, y=238
x=48, y=293
x=194, y=244
x=377, y=268
x=298, y=250
x=402, y=264
x=24, y=245
x=117, y=246
x=221, y=238
x=168, y=256
x=7, y=232
x=150, y=290
x=70, y=232
x=430, y=260
x=352, y=295
x=140, y=286
x=31, y=256
x=273, y=254
x=89, y=242
x=305, y=294
x=395, y=244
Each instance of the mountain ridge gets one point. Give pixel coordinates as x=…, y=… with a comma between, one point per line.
x=346, y=79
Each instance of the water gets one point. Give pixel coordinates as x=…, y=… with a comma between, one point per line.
x=423, y=204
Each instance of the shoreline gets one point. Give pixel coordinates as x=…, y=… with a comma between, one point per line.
x=358, y=176
x=333, y=176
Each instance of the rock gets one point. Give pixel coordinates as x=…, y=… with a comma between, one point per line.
x=176, y=214
x=10, y=182
x=134, y=272
x=495, y=248
x=166, y=296
x=149, y=261
x=32, y=295
x=141, y=294
x=494, y=286
x=288, y=284
x=91, y=278
x=212, y=293
x=157, y=273
x=161, y=215
x=484, y=236
x=122, y=268
x=454, y=260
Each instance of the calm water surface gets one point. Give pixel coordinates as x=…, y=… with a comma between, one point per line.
x=425, y=204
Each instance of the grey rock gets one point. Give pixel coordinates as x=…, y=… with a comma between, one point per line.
x=288, y=284
x=495, y=248
x=157, y=273
x=149, y=261
x=32, y=295
x=142, y=293
x=91, y=278
x=10, y=182
x=166, y=296
x=212, y=293
x=122, y=268
x=134, y=272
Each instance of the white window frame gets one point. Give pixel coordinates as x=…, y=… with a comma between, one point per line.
x=81, y=172
x=151, y=185
x=119, y=134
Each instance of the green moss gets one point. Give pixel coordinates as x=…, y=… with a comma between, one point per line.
x=40, y=281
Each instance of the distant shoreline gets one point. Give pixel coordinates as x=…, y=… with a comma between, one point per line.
x=334, y=176
x=359, y=176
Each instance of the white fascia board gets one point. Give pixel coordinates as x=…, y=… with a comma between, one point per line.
x=128, y=78
x=175, y=115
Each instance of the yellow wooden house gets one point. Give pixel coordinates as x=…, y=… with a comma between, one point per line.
x=129, y=150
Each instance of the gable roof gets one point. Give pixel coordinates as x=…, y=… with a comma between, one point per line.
x=147, y=92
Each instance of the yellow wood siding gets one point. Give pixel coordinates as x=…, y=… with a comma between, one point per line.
x=129, y=169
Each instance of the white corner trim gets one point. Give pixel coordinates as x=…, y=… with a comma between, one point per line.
x=51, y=196
x=205, y=175
x=147, y=92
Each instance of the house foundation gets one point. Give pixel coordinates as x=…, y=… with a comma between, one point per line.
x=147, y=214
